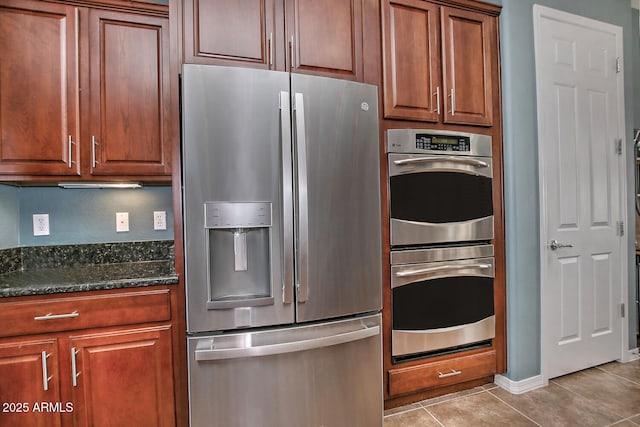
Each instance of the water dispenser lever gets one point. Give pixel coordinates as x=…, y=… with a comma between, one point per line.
x=240, y=249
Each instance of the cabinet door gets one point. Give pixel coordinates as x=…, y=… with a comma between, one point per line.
x=411, y=58
x=124, y=378
x=29, y=377
x=325, y=37
x=467, y=52
x=233, y=32
x=38, y=88
x=130, y=100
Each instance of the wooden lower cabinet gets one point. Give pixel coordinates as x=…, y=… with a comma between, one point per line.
x=123, y=378
x=442, y=373
x=29, y=375
x=83, y=368
x=115, y=378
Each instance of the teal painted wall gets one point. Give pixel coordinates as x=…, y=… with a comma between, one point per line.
x=9, y=217
x=521, y=166
x=82, y=215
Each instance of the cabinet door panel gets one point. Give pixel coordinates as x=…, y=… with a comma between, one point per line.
x=411, y=60
x=219, y=31
x=124, y=378
x=327, y=37
x=467, y=54
x=38, y=88
x=129, y=63
x=22, y=384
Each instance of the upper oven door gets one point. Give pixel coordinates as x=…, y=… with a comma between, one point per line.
x=440, y=199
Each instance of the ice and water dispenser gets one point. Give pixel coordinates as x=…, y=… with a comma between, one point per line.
x=238, y=251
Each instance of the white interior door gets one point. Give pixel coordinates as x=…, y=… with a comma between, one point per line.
x=580, y=129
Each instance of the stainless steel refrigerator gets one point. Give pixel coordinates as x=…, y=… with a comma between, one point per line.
x=281, y=194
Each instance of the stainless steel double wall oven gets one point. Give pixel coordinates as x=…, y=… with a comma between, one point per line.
x=441, y=228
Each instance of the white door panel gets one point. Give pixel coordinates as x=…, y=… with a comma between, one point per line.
x=579, y=109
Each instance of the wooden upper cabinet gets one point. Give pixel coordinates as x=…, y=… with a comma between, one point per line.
x=467, y=57
x=39, y=121
x=322, y=37
x=129, y=122
x=411, y=60
x=325, y=37
x=231, y=32
x=437, y=63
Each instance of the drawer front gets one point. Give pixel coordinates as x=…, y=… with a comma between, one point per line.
x=439, y=374
x=81, y=312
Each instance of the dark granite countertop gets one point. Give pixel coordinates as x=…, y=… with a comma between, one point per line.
x=73, y=275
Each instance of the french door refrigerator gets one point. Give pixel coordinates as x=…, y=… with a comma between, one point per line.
x=281, y=194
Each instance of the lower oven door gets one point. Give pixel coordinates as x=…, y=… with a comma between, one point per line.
x=441, y=305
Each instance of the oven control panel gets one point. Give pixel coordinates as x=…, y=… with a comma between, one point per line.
x=435, y=141
x=426, y=141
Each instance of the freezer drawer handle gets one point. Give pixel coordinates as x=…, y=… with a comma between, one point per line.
x=472, y=162
x=420, y=271
x=449, y=374
x=290, y=347
x=50, y=316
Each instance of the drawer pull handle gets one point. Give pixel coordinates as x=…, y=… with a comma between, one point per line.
x=449, y=374
x=51, y=316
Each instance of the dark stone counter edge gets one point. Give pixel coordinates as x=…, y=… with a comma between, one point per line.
x=81, y=287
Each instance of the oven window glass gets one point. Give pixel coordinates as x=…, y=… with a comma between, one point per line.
x=442, y=303
x=440, y=197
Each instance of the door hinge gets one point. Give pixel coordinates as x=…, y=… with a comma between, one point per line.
x=618, y=65
x=619, y=146
x=620, y=228
x=622, y=310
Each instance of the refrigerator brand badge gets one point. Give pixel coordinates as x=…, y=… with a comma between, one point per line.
x=364, y=106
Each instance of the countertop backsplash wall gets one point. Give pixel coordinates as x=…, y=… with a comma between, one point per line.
x=9, y=217
x=78, y=216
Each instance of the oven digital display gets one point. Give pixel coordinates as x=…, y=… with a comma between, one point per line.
x=426, y=141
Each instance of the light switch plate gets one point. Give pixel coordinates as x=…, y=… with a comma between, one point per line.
x=122, y=222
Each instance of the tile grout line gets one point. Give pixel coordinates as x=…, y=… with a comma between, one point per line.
x=517, y=410
x=618, y=376
x=451, y=400
x=584, y=397
x=402, y=412
x=625, y=419
x=433, y=416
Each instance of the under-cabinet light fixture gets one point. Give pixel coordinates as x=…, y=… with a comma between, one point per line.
x=99, y=185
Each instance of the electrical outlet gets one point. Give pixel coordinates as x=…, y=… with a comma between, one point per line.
x=41, y=224
x=122, y=222
x=159, y=220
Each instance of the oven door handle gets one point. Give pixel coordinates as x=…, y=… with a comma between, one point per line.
x=462, y=160
x=441, y=268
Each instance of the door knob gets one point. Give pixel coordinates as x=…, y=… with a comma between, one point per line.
x=554, y=244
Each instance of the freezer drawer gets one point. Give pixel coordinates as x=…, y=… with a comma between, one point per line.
x=328, y=374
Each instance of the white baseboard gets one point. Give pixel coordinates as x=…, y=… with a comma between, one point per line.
x=632, y=355
x=519, y=387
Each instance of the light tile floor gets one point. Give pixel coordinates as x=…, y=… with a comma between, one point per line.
x=607, y=395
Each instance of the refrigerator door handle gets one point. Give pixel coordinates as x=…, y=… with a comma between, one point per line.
x=287, y=197
x=302, y=284
x=289, y=347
